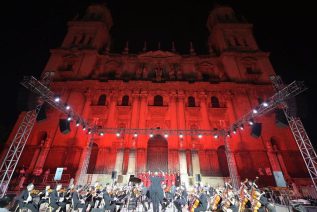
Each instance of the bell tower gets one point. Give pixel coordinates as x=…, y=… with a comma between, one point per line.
x=231, y=37
x=91, y=31
x=228, y=31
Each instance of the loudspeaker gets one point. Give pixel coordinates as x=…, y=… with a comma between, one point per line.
x=120, y=179
x=113, y=175
x=256, y=130
x=198, y=178
x=131, y=177
x=64, y=126
x=42, y=113
x=280, y=119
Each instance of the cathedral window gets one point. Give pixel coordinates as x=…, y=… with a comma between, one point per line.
x=125, y=100
x=102, y=99
x=158, y=100
x=215, y=102
x=191, y=101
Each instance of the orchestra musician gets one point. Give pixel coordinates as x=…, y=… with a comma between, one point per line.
x=44, y=197
x=180, y=198
x=203, y=201
x=109, y=202
x=25, y=199
x=77, y=200
x=57, y=199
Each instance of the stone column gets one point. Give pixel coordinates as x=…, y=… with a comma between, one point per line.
x=204, y=111
x=183, y=167
x=195, y=162
x=142, y=139
x=131, y=163
x=111, y=121
x=119, y=161
x=44, y=152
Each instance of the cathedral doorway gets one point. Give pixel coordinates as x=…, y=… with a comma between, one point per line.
x=157, y=154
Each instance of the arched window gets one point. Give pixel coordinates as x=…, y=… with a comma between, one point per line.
x=191, y=101
x=158, y=100
x=102, y=99
x=125, y=100
x=214, y=102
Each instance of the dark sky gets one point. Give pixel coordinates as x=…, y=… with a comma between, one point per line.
x=29, y=29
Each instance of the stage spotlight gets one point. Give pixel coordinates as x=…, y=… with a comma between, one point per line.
x=166, y=135
x=67, y=107
x=84, y=128
x=89, y=131
x=228, y=134
x=241, y=127
x=135, y=135
x=254, y=111
x=251, y=122
x=118, y=134
x=200, y=136
x=151, y=135
x=265, y=104
x=77, y=123
x=234, y=131
x=69, y=118
x=181, y=135
x=57, y=99
x=216, y=136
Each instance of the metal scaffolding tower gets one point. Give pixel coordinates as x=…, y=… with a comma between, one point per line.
x=299, y=133
x=18, y=143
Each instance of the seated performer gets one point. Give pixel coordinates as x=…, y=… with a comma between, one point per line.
x=203, y=202
x=44, y=197
x=57, y=199
x=25, y=199
x=180, y=198
x=109, y=202
x=77, y=200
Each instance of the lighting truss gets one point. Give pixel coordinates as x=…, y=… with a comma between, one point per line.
x=302, y=140
x=17, y=145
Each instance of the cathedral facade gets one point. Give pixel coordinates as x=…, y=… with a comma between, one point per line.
x=162, y=90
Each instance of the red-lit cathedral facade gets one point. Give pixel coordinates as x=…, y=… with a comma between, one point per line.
x=166, y=90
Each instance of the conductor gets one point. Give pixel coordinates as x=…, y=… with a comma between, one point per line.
x=156, y=191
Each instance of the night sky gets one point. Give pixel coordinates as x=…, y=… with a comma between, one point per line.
x=29, y=29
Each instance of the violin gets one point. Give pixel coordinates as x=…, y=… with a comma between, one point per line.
x=35, y=192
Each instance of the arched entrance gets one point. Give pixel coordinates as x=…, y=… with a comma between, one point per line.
x=157, y=156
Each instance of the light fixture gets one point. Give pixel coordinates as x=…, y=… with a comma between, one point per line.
x=67, y=107
x=89, y=131
x=77, y=123
x=265, y=104
x=101, y=133
x=234, y=131
x=200, y=136
x=135, y=135
x=228, y=134
x=69, y=118
x=84, y=128
x=166, y=135
x=254, y=111
x=241, y=127
x=181, y=135
x=251, y=122
x=215, y=136
x=57, y=99
x=118, y=134
x=151, y=135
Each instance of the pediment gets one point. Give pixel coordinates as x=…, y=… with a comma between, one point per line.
x=158, y=54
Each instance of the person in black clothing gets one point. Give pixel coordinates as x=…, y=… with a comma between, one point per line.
x=203, y=202
x=77, y=200
x=156, y=191
x=178, y=179
x=109, y=202
x=56, y=199
x=25, y=199
x=180, y=198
